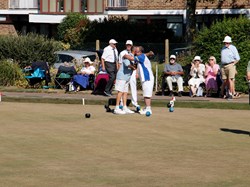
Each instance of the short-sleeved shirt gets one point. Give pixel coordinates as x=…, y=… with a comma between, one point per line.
x=109, y=54
x=124, y=72
x=173, y=68
x=121, y=55
x=88, y=70
x=145, y=68
x=229, y=54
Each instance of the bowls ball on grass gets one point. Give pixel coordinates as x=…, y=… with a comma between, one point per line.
x=171, y=109
x=87, y=115
x=148, y=114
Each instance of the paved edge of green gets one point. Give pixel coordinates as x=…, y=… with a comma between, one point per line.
x=155, y=103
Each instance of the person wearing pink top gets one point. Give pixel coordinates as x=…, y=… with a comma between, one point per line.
x=211, y=71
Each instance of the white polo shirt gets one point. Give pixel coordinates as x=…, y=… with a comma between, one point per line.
x=108, y=54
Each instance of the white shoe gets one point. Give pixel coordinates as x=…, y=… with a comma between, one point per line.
x=144, y=111
x=128, y=111
x=119, y=111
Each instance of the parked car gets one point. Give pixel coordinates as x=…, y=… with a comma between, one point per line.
x=184, y=51
x=69, y=55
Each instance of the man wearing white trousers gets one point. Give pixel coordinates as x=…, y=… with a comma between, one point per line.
x=133, y=87
x=173, y=73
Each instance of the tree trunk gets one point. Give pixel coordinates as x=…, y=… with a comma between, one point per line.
x=190, y=20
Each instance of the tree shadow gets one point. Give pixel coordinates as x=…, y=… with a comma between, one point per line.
x=235, y=131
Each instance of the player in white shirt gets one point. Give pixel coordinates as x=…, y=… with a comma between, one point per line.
x=132, y=81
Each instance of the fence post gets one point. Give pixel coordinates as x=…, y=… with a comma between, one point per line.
x=156, y=77
x=166, y=51
x=97, y=45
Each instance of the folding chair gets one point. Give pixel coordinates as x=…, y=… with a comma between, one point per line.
x=37, y=73
x=64, y=76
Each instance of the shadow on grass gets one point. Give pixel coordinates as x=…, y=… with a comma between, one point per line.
x=235, y=131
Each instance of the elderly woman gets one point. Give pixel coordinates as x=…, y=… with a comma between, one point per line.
x=88, y=67
x=197, y=72
x=85, y=75
x=211, y=72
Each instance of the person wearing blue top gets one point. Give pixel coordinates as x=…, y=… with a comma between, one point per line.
x=122, y=83
x=229, y=58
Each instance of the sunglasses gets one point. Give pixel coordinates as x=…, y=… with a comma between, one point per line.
x=211, y=59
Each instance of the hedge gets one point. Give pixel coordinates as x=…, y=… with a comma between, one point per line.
x=29, y=48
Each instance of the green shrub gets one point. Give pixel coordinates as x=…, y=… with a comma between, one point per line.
x=29, y=48
x=71, y=28
x=10, y=73
x=209, y=42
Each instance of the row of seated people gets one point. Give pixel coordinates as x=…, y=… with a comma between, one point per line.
x=67, y=77
x=199, y=75
x=79, y=80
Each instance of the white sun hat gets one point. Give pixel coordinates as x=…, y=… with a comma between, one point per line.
x=87, y=59
x=129, y=42
x=172, y=56
x=197, y=58
x=113, y=41
x=227, y=39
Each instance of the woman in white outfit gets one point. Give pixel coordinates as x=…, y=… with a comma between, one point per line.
x=197, y=73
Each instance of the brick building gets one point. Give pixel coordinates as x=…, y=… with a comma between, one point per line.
x=43, y=16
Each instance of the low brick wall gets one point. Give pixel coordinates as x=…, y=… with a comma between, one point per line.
x=6, y=29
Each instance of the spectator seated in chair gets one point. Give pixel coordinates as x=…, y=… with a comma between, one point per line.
x=173, y=74
x=86, y=74
x=211, y=72
x=197, y=73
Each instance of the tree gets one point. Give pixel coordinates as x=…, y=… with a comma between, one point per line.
x=190, y=20
x=71, y=28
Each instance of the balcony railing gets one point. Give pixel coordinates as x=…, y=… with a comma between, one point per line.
x=117, y=5
x=23, y=4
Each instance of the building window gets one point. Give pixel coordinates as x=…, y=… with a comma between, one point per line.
x=23, y=4
x=64, y=6
x=117, y=4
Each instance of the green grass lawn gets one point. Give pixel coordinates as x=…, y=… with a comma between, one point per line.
x=55, y=145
